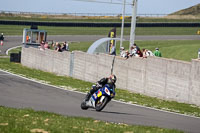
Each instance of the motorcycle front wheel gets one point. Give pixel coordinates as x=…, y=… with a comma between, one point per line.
x=83, y=106
x=101, y=105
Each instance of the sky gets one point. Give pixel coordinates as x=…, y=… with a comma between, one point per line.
x=74, y=6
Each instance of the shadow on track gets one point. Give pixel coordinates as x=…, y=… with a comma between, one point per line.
x=118, y=113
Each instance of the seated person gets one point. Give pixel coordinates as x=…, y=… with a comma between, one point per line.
x=124, y=54
x=46, y=45
x=59, y=49
x=135, y=51
x=147, y=53
x=65, y=46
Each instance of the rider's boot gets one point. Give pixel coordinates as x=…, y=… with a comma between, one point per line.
x=88, y=96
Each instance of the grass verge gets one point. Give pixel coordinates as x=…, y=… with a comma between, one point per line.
x=27, y=120
x=15, y=50
x=79, y=85
x=18, y=30
x=175, y=49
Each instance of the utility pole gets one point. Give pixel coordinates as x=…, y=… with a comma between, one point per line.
x=122, y=28
x=133, y=24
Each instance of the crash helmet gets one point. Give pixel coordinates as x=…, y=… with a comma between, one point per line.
x=112, y=79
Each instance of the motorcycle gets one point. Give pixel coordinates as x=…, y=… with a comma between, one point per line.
x=99, y=99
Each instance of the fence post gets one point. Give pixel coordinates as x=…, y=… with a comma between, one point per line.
x=71, y=65
x=113, y=62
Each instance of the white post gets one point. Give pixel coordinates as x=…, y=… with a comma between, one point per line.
x=199, y=54
x=122, y=28
x=133, y=24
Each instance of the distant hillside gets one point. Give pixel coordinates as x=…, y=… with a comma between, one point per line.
x=194, y=10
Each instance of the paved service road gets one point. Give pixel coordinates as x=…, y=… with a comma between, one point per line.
x=12, y=41
x=21, y=93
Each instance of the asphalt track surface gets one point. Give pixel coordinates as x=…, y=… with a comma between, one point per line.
x=13, y=41
x=18, y=92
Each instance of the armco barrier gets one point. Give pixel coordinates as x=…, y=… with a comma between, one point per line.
x=158, y=77
x=95, y=24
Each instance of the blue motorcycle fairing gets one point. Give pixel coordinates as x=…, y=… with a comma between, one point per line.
x=103, y=91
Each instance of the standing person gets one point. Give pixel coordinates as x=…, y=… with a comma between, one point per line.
x=157, y=53
x=1, y=37
x=113, y=49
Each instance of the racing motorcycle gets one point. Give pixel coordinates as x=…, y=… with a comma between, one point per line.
x=99, y=99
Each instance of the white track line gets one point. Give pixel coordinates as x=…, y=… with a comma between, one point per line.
x=85, y=93
x=12, y=48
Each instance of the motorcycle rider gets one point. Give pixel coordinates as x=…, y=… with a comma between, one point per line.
x=109, y=81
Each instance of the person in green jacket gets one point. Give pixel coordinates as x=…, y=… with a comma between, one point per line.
x=157, y=53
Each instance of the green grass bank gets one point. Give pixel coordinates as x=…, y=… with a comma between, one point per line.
x=28, y=120
x=18, y=30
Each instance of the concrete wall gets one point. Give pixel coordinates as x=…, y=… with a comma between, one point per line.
x=48, y=60
x=194, y=87
x=159, y=77
x=91, y=67
x=164, y=78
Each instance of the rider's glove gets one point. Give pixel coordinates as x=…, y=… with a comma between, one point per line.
x=98, y=85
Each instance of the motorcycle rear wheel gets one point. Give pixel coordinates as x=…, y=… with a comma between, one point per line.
x=101, y=105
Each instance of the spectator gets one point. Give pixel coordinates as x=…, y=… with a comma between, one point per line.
x=55, y=45
x=135, y=51
x=65, y=46
x=113, y=49
x=144, y=52
x=58, y=49
x=42, y=45
x=157, y=53
x=124, y=54
x=127, y=54
x=46, y=45
x=147, y=53
x=1, y=37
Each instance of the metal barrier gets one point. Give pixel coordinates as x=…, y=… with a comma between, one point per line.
x=86, y=24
